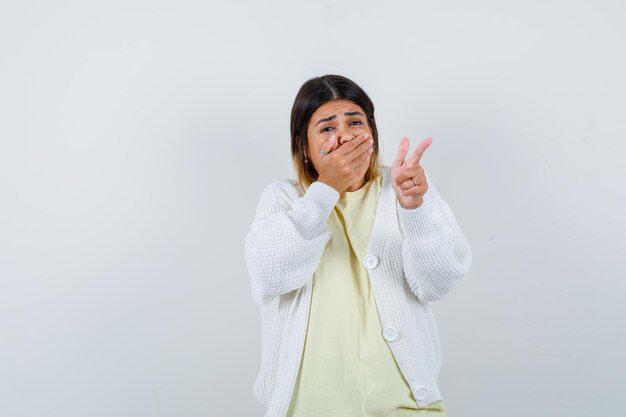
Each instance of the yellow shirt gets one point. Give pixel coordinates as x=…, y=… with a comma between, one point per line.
x=347, y=368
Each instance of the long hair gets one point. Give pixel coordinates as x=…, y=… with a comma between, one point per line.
x=313, y=94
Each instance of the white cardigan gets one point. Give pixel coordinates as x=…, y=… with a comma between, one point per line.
x=415, y=256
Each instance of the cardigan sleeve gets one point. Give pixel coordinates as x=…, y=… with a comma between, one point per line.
x=287, y=237
x=435, y=253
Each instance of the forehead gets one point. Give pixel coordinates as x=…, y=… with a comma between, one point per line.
x=337, y=107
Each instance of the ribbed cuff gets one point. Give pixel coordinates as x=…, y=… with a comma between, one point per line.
x=325, y=196
x=416, y=221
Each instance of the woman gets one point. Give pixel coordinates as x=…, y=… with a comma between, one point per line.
x=344, y=262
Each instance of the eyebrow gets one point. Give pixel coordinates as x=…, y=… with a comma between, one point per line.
x=334, y=116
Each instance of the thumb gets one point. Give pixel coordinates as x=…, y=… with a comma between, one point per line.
x=403, y=149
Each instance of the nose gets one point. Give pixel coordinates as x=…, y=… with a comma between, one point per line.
x=343, y=135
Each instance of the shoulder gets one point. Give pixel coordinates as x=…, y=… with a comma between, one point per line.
x=281, y=190
x=287, y=186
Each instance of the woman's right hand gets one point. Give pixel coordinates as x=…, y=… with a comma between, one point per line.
x=344, y=165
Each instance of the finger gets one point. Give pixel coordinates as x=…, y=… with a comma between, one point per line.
x=328, y=145
x=362, y=153
x=419, y=151
x=403, y=148
x=407, y=185
x=407, y=188
x=362, y=163
x=363, y=148
x=349, y=149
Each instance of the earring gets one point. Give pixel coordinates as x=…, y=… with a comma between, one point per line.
x=306, y=161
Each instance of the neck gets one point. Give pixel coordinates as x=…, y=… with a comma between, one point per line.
x=356, y=185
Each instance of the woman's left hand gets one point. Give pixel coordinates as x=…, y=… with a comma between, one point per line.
x=410, y=195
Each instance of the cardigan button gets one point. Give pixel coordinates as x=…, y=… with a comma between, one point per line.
x=420, y=393
x=390, y=334
x=370, y=261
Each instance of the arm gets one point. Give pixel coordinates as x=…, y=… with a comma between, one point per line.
x=435, y=253
x=287, y=237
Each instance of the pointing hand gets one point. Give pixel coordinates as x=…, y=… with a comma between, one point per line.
x=407, y=177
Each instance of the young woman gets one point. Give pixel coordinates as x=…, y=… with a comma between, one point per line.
x=344, y=261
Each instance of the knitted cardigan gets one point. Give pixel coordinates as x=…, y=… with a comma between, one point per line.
x=415, y=256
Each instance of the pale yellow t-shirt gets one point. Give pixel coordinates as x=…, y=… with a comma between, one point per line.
x=347, y=368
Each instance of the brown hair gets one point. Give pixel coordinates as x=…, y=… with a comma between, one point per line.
x=313, y=94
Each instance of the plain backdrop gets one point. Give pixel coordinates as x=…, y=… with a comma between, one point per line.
x=137, y=136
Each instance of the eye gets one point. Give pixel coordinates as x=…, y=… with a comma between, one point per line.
x=357, y=121
x=327, y=127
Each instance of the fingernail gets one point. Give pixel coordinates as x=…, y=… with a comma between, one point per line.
x=331, y=137
x=367, y=135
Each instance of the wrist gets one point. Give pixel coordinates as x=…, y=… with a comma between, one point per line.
x=329, y=183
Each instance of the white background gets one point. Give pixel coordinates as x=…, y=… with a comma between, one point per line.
x=136, y=137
